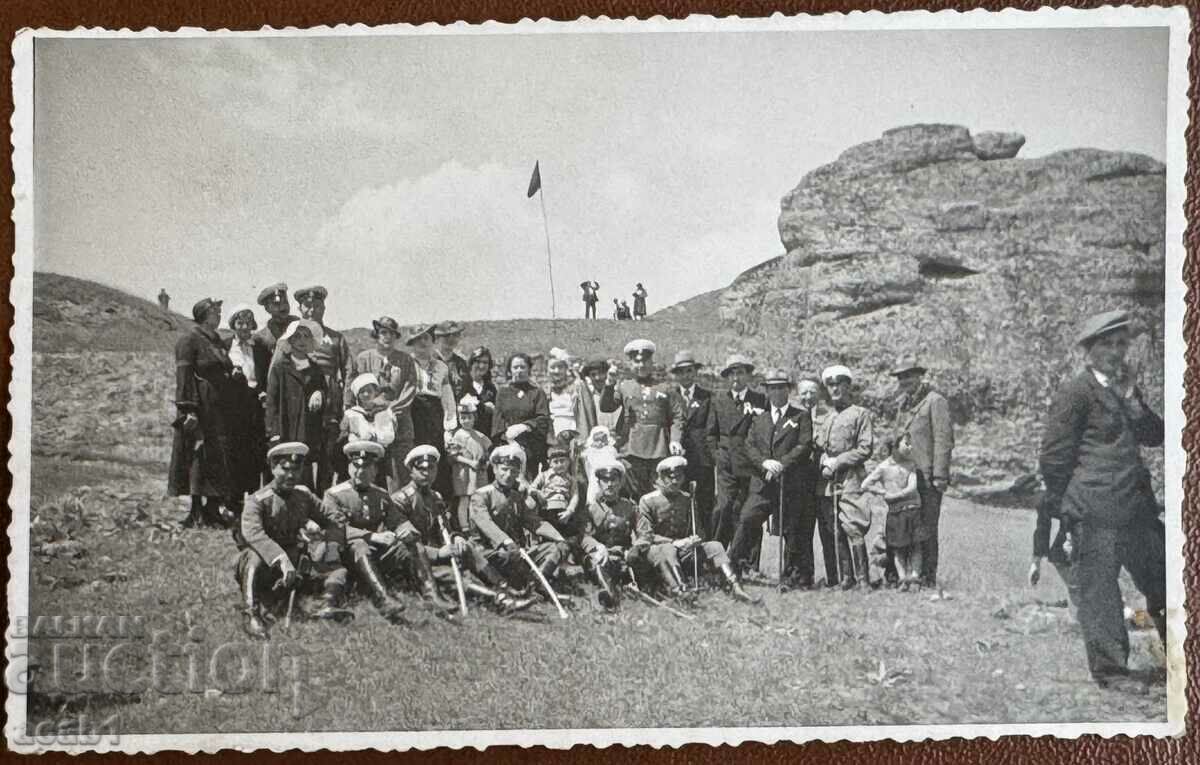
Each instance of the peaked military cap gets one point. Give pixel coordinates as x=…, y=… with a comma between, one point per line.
x=202, y=306
x=305, y=293
x=422, y=453
x=671, y=463
x=362, y=451
x=291, y=451
x=834, y=372
x=639, y=348
x=278, y=289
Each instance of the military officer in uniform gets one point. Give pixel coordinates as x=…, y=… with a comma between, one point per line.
x=425, y=546
x=733, y=412
x=665, y=516
x=502, y=514
x=332, y=356
x=361, y=508
x=653, y=419
x=1098, y=485
x=274, y=300
x=271, y=543
x=611, y=519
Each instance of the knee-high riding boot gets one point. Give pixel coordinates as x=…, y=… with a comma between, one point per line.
x=254, y=625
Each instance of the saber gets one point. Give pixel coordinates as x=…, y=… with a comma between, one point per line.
x=695, y=555
x=837, y=556
x=287, y=620
x=562, y=614
x=458, y=582
x=637, y=591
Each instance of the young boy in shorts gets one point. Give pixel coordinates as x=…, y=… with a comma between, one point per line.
x=895, y=479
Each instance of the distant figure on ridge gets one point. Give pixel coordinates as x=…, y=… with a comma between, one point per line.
x=639, y=302
x=622, y=311
x=164, y=300
x=590, y=298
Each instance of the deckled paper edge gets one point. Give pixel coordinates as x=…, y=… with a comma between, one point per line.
x=1176, y=19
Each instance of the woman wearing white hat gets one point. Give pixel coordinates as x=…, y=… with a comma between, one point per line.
x=296, y=392
x=371, y=419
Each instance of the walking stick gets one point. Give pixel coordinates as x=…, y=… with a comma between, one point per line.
x=458, y=582
x=837, y=561
x=781, y=545
x=695, y=555
x=562, y=614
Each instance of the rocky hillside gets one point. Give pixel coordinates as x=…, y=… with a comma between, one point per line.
x=934, y=241
x=76, y=314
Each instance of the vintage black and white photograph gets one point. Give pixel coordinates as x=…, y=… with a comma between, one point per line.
x=640, y=382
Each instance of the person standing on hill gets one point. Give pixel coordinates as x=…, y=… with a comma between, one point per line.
x=639, y=302
x=1097, y=483
x=590, y=298
x=653, y=420
x=201, y=452
x=446, y=337
x=699, y=437
x=925, y=417
x=164, y=300
x=274, y=300
x=332, y=357
x=846, y=441
x=733, y=411
x=396, y=373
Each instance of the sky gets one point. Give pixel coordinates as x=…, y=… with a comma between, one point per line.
x=393, y=170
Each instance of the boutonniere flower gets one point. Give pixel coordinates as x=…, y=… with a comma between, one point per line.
x=754, y=410
x=695, y=405
x=660, y=394
x=789, y=424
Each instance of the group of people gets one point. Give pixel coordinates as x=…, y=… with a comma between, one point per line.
x=621, y=310
x=410, y=467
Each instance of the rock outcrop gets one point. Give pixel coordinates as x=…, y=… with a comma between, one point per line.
x=934, y=241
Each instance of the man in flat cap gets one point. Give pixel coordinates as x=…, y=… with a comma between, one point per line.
x=361, y=508
x=1098, y=485
x=699, y=438
x=925, y=416
x=504, y=513
x=665, y=516
x=653, y=420
x=271, y=541
x=446, y=337
x=332, y=356
x=733, y=411
x=845, y=441
x=779, y=444
x=274, y=299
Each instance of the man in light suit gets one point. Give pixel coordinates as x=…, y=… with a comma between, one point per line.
x=925, y=416
x=779, y=445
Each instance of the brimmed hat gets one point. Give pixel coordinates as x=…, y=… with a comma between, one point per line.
x=640, y=348
x=468, y=404
x=560, y=354
x=836, y=371
x=202, y=307
x=423, y=453
x=905, y=365
x=290, y=451
x=279, y=289
x=594, y=364
x=1101, y=324
x=447, y=328
x=481, y=352
x=313, y=328
x=736, y=360
x=685, y=359
x=416, y=331
x=304, y=294
x=508, y=454
x=384, y=322
x=671, y=463
x=361, y=452
x=776, y=376
x=362, y=381
x=240, y=310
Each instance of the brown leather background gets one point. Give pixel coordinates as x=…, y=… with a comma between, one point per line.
x=244, y=14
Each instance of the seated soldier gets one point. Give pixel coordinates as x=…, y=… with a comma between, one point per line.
x=271, y=543
x=361, y=507
x=503, y=512
x=666, y=515
x=425, y=546
x=556, y=489
x=610, y=521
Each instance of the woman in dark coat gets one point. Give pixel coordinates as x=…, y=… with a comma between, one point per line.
x=251, y=358
x=523, y=406
x=639, y=302
x=296, y=392
x=201, y=453
x=480, y=385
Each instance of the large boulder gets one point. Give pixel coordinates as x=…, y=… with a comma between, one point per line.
x=932, y=241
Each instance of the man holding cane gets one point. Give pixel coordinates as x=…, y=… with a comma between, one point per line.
x=845, y=440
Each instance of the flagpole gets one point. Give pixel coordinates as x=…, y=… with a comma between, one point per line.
x=549, y=259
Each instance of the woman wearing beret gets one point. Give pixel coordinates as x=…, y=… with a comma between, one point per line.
x=396, y=373
x=201, y=464
x=251, y=360
x=522, y=414
x=296, y=391
x=1097, y=484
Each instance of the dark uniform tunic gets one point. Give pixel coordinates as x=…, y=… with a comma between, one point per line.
x=361, y=511
x=202, y=460
x=501, y=515
x=1093, y=470
x=652, y=420
x=664, y=517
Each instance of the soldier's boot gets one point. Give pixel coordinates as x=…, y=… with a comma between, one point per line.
x=549, y=569
x=606, y=596
x=735, y=587
x=384, y=603
x=331, y=604
x=430, y=594
x=504, y=600
x=254, y=626
x=676, y=588
x=861, y=563
x=846, y=566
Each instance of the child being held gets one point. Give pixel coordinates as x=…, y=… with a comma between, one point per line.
x=599, y=450
x=371, y=419
x=895, y=479
x=468, y=452
x=557, y=486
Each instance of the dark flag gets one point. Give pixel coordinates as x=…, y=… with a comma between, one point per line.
x=535, y=181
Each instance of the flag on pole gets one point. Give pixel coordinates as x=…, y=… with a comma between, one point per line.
x=535, y=181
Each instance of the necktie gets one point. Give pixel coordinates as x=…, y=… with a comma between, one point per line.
x=775, y=415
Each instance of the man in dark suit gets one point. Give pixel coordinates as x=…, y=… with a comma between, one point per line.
x=779, y=445
x=733, y=412
x=699, y=434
